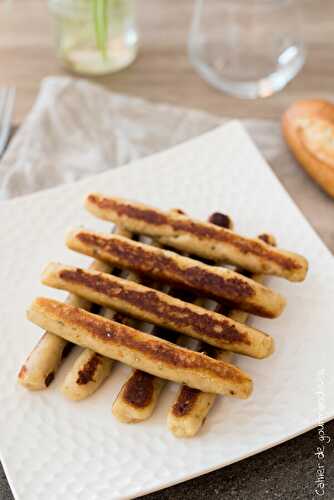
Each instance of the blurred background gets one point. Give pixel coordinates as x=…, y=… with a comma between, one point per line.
x=162, y=71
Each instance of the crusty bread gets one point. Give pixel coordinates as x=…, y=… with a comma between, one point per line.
x=308, y=127
x=140, y=350
x=191, y=406
x=200, y=238
x=159, y=308
x=210, y=281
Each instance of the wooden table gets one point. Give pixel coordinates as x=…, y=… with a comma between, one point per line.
x=162, y=73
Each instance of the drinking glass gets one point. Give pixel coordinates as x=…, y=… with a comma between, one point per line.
x=247, y=48
x=84, y=49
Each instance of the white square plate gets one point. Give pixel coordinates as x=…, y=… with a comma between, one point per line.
x=53, y=448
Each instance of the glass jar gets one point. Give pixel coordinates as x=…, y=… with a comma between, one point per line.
x=247, y=48
x=95, y=37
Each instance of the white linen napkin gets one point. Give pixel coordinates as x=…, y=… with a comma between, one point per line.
x=77, y=129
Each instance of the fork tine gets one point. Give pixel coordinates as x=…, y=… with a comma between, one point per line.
x=7, y=108
x=3, y=97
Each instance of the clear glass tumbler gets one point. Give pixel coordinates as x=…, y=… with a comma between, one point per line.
x=247, y=48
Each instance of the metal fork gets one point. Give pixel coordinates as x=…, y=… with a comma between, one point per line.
x=7, y=101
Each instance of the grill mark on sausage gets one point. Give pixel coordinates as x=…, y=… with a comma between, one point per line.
x=115, y=333
x=49, y=378
x=265, y=237
x=86, y=374
x=139, y=389
x=150, y=216
x=95, y=308
x=188, y=396
x=156, y=264
x=186, y=401
x=256, y=309
x=198, y=229
x=150, y=301
x=23, y=372
x=243, y=245
x=221, y=220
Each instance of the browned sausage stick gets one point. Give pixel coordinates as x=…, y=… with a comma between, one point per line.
x=40, y=367
x=90, y=369
x=156, y=307
x=139, y=395
x=139, y=349
x=206, y=280
x=191, y=407
x=200, y=238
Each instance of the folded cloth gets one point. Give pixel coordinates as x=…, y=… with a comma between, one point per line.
x=77, y=129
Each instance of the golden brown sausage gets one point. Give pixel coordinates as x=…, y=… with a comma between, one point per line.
x=40, y=367
x=159, y=308
x=192, y=406
x=138, y=349
x=200, y=238
x=210, y=281
x=86, y=375
x=90, y=370
x=139, y=395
